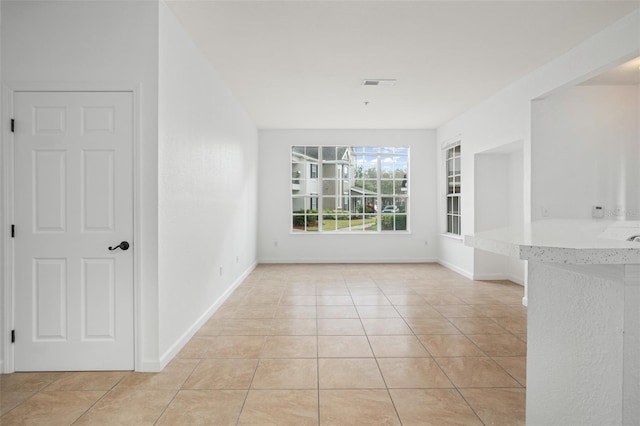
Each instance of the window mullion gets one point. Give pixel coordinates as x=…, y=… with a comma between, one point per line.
x=320, y=189
x=379, y=195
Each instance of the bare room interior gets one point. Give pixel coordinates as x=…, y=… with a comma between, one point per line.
x=320, y=212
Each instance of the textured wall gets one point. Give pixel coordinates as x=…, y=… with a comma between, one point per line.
x=208, y=196
x=575, y=345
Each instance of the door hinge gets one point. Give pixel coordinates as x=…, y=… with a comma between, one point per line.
x=13, y=125
x=13, y=336
x=13, y=231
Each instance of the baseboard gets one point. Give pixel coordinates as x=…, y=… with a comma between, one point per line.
x=489, y=277
x=525, y=301
x=455, y=268
x=150, y=366
x=191, y=331
x=2, y=367
x=517, y=280
x=498, y=277
x=343, y=260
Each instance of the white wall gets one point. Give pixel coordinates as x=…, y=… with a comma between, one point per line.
x=636, y=172
x=515, y=268
x=207, y=188
x=491, y=207
x=275, y=201
x=498, y=191
x=506, y=117
x=90, y=46
x=583, y=143
x=2, y=221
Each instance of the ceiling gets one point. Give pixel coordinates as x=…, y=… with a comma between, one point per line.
x=627, y=74
x=300, y=64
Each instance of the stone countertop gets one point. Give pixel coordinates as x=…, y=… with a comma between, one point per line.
x=568, y=241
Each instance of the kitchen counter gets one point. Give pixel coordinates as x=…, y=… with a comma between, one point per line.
x=580, y=242
x=583, y=318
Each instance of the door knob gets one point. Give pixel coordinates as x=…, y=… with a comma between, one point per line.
x=122, y=246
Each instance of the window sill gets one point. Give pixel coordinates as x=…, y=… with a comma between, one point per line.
x=452, y=236
x=397, y=233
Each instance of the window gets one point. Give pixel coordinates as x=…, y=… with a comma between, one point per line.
x=349, y=189
x=453, y=189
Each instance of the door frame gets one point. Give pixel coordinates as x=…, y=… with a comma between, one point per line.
x=7, y=255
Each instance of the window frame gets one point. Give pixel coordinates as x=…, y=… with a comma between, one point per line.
x=453, y=189
x=337, y=175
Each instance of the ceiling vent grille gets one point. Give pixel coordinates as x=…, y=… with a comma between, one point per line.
x=379, y=82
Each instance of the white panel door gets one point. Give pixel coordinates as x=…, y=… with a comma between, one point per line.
x=73, y=202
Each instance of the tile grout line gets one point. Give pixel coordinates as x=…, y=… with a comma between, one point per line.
x=317, y=355
x=246, y=396
x=166, y=407
x=440, y=367
x=469, y=405
x=178, y=391
x=395, y=409
x=22, y=402
x=97, y=401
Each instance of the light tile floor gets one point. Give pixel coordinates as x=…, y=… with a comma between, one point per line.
x=317, y=344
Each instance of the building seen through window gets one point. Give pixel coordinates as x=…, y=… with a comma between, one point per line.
x=349, y=189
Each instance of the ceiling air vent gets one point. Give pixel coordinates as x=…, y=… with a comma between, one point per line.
x=379, y=82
